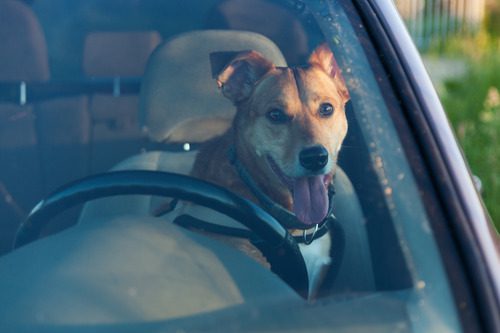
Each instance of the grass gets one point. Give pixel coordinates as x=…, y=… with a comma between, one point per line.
x=473, y=106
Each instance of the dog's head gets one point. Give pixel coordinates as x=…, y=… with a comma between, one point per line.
x=289, y=125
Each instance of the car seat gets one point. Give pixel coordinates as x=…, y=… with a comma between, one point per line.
x=23, y=57
x=180, y=103
x=121, y=56
x=271, y=20
x=44, y=143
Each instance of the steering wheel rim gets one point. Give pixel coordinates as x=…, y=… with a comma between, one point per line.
x=277, y=245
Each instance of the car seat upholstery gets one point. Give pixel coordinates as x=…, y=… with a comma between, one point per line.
x=23, y=54
x=180, y=101
x=118, y=53
x=63, y=126
x=177, y=162
x=178, y=98
x=266, y=18
x=23, y=57
x=115, y=132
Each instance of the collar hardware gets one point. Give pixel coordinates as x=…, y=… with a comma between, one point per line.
x=310, y=240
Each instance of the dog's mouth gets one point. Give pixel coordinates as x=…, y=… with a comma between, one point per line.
x=309, y=193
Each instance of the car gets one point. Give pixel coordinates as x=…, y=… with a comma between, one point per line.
x=103, y=105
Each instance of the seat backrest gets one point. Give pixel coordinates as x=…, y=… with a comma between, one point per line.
x=118, y=54
x=23, y=57
x=116, y=133
x=266, y=18
x=179, y=98
x=178, y=94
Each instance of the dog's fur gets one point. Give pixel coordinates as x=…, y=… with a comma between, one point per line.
x=256, y=86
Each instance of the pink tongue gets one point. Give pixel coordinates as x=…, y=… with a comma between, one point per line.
x=310, y=199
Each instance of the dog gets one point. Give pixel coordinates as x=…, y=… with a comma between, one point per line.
x=285, y=137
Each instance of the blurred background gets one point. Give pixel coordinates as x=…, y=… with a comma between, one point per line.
x=460, y=43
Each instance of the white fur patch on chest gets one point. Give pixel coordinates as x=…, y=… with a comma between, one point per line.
x=317, y=258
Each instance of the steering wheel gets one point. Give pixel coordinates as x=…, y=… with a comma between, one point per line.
x=277, y=245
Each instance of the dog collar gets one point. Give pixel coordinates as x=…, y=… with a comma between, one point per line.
x=193, y=223
x=284, y=216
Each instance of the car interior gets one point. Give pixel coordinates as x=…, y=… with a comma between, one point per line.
x=87, y=131
x=64, y=136
x=89, y=86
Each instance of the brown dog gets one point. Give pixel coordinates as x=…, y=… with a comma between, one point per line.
x=287, y=132
x=282, y=145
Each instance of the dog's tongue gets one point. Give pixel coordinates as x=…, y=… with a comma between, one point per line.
x=310, y=199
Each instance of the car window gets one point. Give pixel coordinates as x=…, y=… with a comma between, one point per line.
x=117, y=85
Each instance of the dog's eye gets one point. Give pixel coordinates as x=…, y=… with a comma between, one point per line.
x=277, y=116
x=326, y=110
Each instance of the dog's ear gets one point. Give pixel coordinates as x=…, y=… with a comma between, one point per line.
x=237, y=72
x=323, y=57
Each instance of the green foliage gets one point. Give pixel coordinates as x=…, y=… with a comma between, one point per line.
x=492, y=21
x=473, y=106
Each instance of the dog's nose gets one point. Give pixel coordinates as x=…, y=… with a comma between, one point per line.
x=314, y=158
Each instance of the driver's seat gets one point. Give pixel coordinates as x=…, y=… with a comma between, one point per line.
x=180, y=106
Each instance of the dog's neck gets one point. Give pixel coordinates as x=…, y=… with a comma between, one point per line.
x=253, y=164
x=213, y=165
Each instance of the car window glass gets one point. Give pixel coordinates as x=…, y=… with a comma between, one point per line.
x=88, y=120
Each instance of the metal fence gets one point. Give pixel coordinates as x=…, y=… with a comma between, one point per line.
x=432, y=22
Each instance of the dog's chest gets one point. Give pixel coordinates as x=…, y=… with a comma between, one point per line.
x=317, y=258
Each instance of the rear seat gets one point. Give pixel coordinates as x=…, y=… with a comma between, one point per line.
x=23, y=57
x=115, y=132
x=64, y=136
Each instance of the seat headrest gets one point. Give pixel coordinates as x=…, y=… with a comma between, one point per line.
x=111, y=54
x=180, y=101
x=23, y=51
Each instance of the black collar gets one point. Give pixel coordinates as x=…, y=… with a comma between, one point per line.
x=193, y=223
x=282, y=215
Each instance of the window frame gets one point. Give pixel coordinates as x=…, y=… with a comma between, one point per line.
x=451, y=200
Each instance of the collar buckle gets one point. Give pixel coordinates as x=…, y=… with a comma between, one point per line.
x=310, y=240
